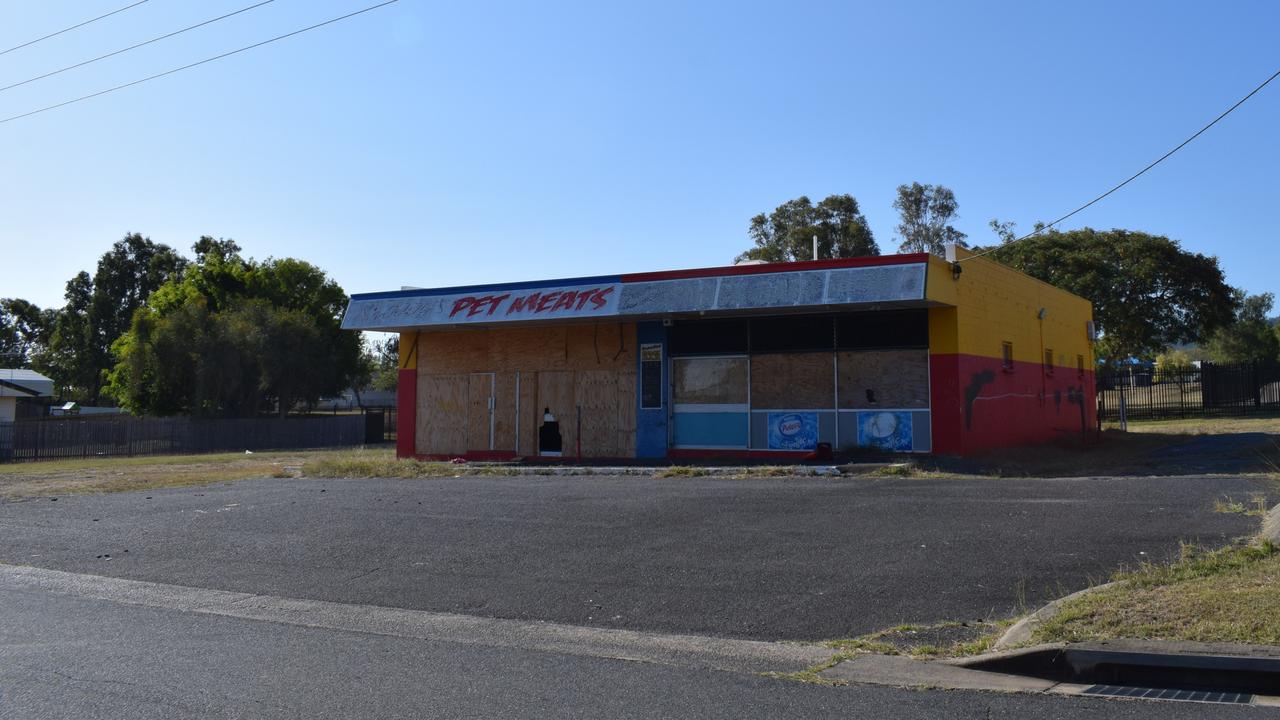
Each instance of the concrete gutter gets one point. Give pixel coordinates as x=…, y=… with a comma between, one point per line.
x=749, y=471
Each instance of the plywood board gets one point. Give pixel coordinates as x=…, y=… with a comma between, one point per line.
x=530, y=413
x=454, y=352
x=442, y=417
x=555, y=392
x=789, y=381
x=585, y=346
x=504, y=411
x=596, y=395
x=895, y=378
x=626, y=382
x=479, y=395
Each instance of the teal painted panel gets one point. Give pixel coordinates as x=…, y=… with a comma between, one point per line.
x=711, y=429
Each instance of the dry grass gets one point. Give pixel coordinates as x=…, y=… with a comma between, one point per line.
x=1229, y=595
x=61, y=477
x=1206, y=426
x=382, y=463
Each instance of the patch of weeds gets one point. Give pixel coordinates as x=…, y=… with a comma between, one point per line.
x=896, y=470
x=682, y=471
x=951, y=638
x=1226, y=595
x=1257, y=506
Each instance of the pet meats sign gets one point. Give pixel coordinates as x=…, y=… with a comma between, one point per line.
x=548, y=303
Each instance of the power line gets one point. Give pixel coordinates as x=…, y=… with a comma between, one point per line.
x=1133, y=177
x=135, y=47
x=69, y=29
x=197, y=63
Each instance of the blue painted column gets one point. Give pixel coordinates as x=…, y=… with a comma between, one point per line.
x=651, y=423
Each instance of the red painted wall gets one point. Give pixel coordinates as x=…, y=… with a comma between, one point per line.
x=979, y=405
x=406, y=412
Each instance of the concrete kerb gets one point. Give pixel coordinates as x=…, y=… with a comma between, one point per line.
x=833, y=471
x=1271, y=525
x=1020, y=633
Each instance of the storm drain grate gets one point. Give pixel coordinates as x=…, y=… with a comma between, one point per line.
x=1170, y=694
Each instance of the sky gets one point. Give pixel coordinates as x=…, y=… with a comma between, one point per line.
x=431, y=144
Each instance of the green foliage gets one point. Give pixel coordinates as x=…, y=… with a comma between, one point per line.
x=1173, y=361
x=1250, y=336
x=1147, y=292
x=925, y=213
x=99, y=310
x=25, y=330
x=786, y=234
x=236, y=337
x=386, y=368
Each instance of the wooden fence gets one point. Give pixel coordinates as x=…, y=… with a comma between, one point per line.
x=103, y=436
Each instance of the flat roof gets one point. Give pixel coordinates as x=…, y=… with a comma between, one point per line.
x=779, y=287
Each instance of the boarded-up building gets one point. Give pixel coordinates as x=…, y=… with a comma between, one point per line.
x=908, y=353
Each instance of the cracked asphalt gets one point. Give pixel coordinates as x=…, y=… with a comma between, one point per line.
x=776, y=558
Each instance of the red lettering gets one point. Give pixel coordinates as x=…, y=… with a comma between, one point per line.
x=462, y=304
x=520, y=304
x=583, y=297
x=565, y=301
x=597, y=298
x=478, y=305
x=546, y=300
x=496, y=301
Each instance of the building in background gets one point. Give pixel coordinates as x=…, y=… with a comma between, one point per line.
x=23, y=393
x=905, y=353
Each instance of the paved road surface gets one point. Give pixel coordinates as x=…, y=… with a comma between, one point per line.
x=67, y=656
x=771, y=559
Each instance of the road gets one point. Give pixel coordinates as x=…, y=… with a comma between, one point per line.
x=65, y=656
x=429, y=598
x=778, y=558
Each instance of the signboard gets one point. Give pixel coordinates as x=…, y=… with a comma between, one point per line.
x=889, y=430
x=614, y=296
x=650, y=376
x=793, y=431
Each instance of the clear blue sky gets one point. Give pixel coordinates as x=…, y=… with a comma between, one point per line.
x=433, y=143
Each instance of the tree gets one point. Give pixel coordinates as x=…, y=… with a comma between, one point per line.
x=99, y=310
x=386, y=374
x=925, y=213
x=234, y=338
x=786, y=234
x=1147, y=292
x=70, y=360
x=25, y=330
x=1250, y=337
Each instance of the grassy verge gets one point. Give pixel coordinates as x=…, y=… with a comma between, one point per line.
x=1228, y=595
x=60, y=477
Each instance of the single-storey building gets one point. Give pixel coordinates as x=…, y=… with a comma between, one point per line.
x=22, y=393
x=907, y=353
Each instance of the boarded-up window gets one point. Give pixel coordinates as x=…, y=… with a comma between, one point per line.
x=793, y=381
x=884, y=379
x=709, y=380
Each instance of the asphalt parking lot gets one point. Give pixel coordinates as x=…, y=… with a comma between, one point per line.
x=776, y=558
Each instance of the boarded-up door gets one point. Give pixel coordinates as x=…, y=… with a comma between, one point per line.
x=597, y=396
x=480, y=411
x=555, y=393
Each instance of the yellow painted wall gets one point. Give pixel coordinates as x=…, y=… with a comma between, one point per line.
x=994, y=304
x=409, y=350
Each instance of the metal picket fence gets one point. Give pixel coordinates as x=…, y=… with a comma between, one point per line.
x=1144, y=393
x=104, y=436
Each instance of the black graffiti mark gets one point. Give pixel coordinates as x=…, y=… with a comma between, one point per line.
x=976, y=383
x=1057, y=399
x=1076, y=397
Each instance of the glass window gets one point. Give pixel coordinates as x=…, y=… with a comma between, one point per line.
x=709, y=380
x=1006, y=353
